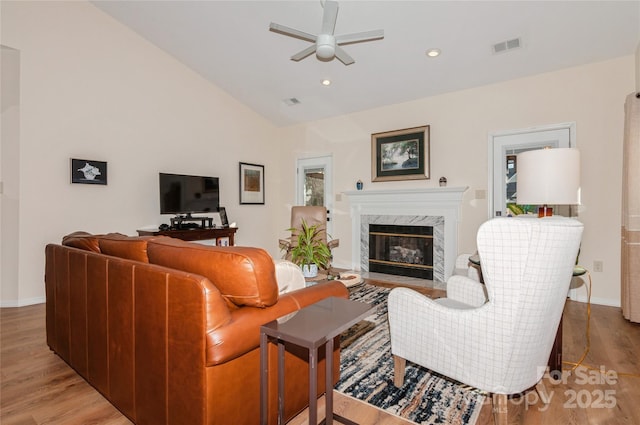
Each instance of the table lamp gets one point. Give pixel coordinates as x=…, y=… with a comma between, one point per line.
x=549, y=176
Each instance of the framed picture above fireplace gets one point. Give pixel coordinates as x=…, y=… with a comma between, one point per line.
x=400, y=154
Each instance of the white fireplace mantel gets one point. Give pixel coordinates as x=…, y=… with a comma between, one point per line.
x=440, y=202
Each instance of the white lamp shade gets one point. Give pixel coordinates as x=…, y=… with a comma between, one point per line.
x=549, y=177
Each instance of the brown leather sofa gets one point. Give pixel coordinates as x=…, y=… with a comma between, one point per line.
x=168, y=331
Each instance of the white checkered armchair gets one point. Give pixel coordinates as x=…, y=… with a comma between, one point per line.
x=499, y=342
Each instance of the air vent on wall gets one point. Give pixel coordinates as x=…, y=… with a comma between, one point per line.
x=291, y=101
x=506, y=45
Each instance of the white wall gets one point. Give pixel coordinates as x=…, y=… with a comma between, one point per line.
x=9, y=158
x=92, y=89
x=592, y=96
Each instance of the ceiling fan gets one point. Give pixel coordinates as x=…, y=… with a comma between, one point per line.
x=327, y=45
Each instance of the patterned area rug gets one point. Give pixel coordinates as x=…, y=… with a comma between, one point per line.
x=367, y=373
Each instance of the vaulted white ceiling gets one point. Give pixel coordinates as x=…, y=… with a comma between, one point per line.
x=229, y=43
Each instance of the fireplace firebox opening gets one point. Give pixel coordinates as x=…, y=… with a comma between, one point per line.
x=403, y=250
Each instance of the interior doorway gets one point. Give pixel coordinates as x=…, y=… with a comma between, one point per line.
x=314, y=185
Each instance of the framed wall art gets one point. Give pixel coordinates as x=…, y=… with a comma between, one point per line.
x=400, y=154
x=87, y=171
x=223, y=216
x=251, y=183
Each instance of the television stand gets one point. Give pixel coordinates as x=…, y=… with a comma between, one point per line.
x=218, y=233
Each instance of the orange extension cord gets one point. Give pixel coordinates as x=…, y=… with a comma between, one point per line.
x=575, y=365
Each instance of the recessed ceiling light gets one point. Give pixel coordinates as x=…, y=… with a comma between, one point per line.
x=326, y=82
x=432, y=53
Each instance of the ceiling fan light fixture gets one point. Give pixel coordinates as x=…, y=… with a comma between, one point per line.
x=325, y=46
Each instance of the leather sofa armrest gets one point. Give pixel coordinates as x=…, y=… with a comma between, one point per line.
x=242, y=333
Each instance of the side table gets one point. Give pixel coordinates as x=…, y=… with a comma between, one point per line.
x=311, y=327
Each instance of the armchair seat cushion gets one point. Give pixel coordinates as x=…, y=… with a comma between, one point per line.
x=451, y=303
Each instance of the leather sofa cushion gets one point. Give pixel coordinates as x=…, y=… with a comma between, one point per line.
x=122, y=246
x=82, y=240
x=244, y=276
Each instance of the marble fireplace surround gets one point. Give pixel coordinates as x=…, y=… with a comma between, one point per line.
x=437, y=207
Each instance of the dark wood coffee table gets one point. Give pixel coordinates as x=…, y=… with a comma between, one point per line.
x=310, y=327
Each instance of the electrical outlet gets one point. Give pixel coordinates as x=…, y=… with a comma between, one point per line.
x=597, y=266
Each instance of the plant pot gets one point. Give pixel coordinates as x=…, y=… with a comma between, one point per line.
x=309, y=270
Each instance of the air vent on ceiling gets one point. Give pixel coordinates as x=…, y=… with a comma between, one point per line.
x=507, y=45
x=291, y=101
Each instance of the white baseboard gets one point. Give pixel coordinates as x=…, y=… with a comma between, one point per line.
x=574, y=296
x=340, y=265
x=22, y=303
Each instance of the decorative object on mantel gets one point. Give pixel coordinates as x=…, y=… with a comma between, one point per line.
x=400, y=154
x=443, y=181
x=359, y=185
x=88, y=171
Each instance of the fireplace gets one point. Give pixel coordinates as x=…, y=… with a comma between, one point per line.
x=401, y=250
x=438, y=208
x=410, y=223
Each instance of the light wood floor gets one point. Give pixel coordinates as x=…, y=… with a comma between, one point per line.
x=39, y=388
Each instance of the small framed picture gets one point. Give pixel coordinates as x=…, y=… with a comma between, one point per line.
x=87, y=171
x=400, y=154
x=216, y=220
x=223, y=216
x=251, y=183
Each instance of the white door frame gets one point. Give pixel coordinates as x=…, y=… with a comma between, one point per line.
x=495, y=160
x=325, y=162
x=494, y=157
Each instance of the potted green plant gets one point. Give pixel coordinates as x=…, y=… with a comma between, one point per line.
x=310, y=251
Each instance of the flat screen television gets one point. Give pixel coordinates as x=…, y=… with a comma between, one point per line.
x=184, y=194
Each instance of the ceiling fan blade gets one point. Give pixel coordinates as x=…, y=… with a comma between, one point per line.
x=329, y=17
x=304, y=53
x=343, y=56
x=359, y=37
x=292, y=32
